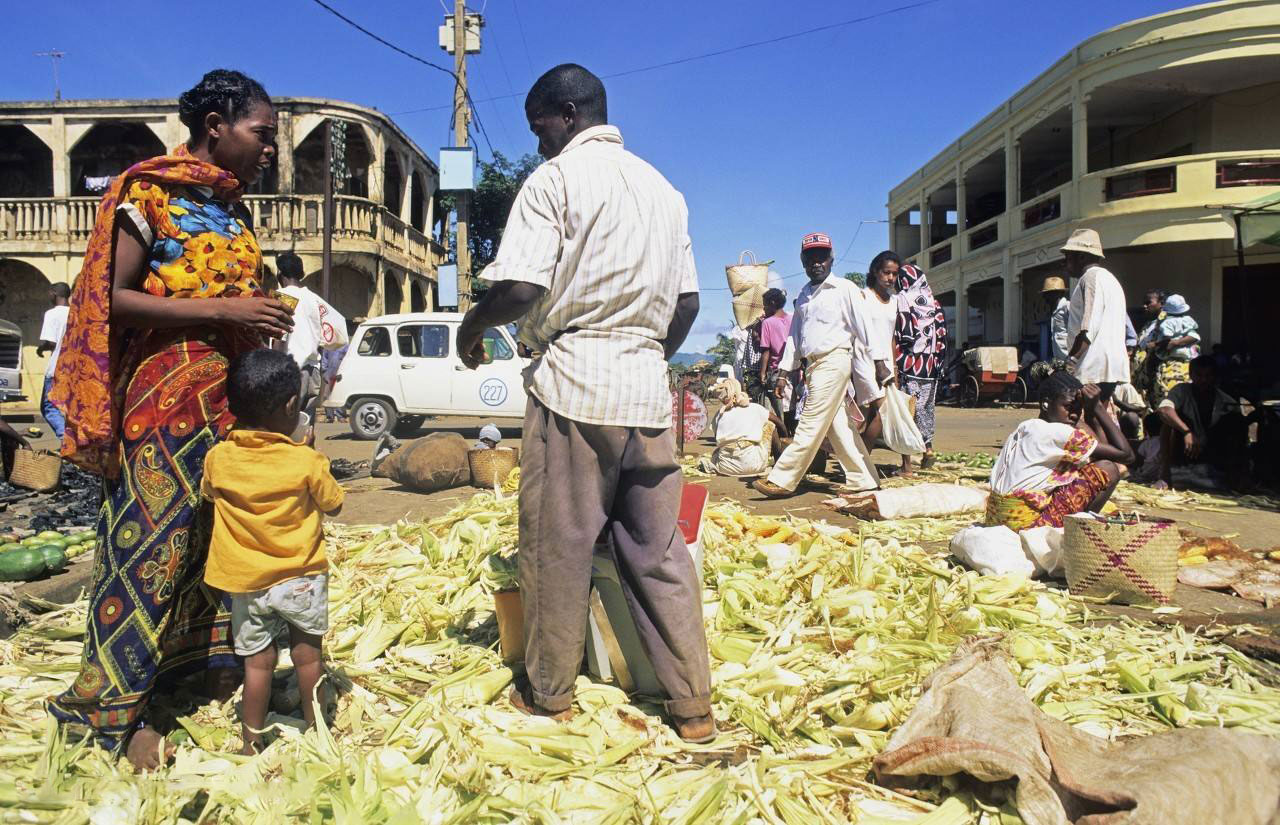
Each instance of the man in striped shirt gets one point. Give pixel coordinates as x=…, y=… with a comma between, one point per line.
x=596, y=261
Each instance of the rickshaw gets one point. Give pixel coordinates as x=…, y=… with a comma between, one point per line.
x=987, y=374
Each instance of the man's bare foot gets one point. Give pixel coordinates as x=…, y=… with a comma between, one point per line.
x=252, y=747
x=220, y=683
x=144, y=750
x=1160, y=485
x=522, y=700
x=697, y=730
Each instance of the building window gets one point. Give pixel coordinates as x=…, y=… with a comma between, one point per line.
x=1249, y=172
x=1042, y=212
x=940, y=255
x=985, y=236
x=1142, y=183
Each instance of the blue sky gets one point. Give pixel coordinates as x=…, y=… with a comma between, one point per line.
x=766, y=143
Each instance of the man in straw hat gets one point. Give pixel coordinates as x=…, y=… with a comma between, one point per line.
x=596, y=261
x=830, y=316
x=1055, y=292
x=1095, y=323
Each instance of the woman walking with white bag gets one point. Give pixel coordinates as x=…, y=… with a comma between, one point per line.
x=921, y=338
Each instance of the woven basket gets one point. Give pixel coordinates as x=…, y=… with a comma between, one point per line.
x=749, y=306
x=743, y=276
x=1133, y=557
x=491, y=467
x=38, y=470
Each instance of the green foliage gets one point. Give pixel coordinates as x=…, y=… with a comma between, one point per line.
x=858, y=278
x=721, y=352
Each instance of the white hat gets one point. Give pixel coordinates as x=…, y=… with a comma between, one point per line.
x=1176, y=305
x=1086, y=241
x=490, y=432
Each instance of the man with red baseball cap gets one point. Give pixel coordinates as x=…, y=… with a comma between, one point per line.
x=829, y=317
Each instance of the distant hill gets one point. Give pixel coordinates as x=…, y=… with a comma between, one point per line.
x=689, y=358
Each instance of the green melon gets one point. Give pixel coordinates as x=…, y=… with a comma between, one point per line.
x=22, y=565
x=55, y=557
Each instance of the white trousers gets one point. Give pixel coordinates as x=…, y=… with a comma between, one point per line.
x=824, y=416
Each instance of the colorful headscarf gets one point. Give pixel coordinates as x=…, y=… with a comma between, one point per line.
x=921, y=331
x=89, y=384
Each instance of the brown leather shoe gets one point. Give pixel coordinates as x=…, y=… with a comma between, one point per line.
x=696, y=730
x=770, y=490
x=522, y=700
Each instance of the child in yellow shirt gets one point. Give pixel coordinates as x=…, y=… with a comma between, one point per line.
x=270, y=495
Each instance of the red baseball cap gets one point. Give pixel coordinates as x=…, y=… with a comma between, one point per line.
x=815, y=240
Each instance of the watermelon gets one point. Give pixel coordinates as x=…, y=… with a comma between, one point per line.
x=21, y=565
x=12, y=545
x=31, y=541
x=86, y=537
x=55, y=557
x=48, y=535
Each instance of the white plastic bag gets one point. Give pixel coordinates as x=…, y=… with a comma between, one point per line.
x=1043, y=545
x=900, y=433
x=992, y=551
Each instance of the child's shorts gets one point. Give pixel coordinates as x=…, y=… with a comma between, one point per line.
x=258, y=617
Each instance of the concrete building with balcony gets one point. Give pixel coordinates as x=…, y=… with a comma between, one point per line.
x=1146, y=133
x=57, y=158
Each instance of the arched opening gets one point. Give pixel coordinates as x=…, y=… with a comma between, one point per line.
x=308, y=163
x=108, y=149
x=417, y=301
x=350, y=290
x=417, y=215
x=24, y=298
x=392, y=183
x=26, y=164
x=392, y=294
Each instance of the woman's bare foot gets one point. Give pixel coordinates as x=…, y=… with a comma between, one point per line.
x=144, y=750
x=1160, y=485
x=252, y=746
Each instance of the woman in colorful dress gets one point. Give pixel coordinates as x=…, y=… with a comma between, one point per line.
x=1066, y=461
x=170, y=291
x=1143, y=366
x=1175, y=344
x=921, y=341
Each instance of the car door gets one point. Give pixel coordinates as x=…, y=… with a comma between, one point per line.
x=424, y=350
x=494, y=388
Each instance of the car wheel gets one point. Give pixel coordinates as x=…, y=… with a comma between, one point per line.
x=409, y=424
x=371, y=417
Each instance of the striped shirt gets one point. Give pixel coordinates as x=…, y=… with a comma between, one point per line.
x=607, y=238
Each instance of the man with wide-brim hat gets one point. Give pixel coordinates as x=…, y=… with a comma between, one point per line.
x=1055, y=293
x=1096, y=316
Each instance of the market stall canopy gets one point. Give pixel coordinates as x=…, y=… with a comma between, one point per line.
x=1256, y=222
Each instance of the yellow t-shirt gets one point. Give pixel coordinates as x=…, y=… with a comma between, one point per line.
x=269, y=497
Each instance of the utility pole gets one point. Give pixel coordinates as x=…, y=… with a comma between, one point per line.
x=326, y=255
x=54, y=56
x=461, y=133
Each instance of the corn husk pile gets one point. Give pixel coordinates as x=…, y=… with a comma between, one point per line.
x=820, y=638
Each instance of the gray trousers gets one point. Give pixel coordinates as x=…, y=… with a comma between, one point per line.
x=575, y=480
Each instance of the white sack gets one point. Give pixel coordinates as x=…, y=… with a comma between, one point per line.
x=991, y=551
x=1043, y=545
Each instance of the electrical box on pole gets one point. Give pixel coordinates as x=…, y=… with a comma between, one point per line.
x=472, y=25
x=457, y=169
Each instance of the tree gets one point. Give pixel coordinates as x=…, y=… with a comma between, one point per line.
x=858, y=278
x=722, y=350
x=500, y=180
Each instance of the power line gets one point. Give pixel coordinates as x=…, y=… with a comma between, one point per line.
x=413, y=57
x=515, y=6
x=729, y=50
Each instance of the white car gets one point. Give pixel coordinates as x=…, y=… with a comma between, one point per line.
x=400, y=369
x=10, y=362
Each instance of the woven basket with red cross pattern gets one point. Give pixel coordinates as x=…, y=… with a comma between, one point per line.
x=1131, y=558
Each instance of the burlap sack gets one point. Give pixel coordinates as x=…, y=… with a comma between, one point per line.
x=434, y=462
x=974, y=719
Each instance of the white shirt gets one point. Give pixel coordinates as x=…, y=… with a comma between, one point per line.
x=829, y=316
x=55, y=324
x=738, y=423
x=316, y=326
x=1097, y=309
x=1039, y=456
x=607, y=237
x=1060, y=342
x=881, y=319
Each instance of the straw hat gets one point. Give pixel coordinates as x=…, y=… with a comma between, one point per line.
x=1086, y=241
x=1054, y=284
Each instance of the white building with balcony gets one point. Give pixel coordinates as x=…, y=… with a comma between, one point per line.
x=56, y=159
x=1145, y=132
